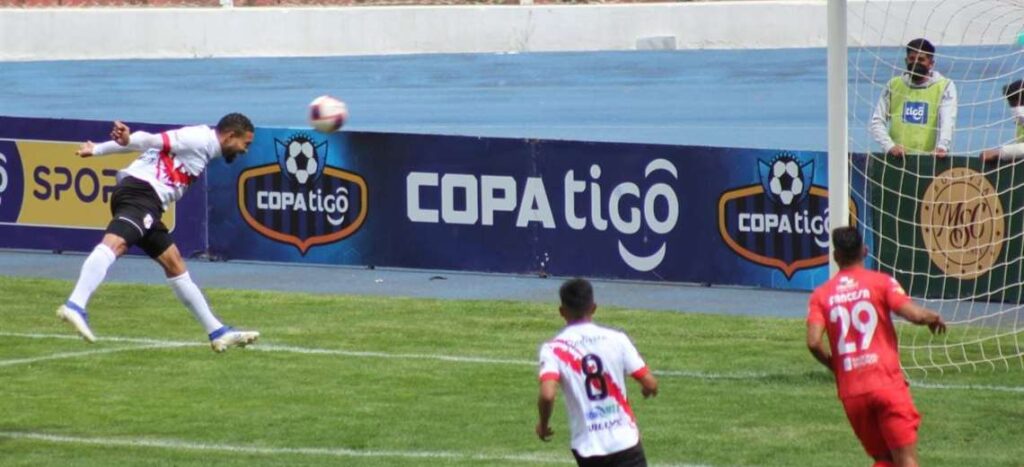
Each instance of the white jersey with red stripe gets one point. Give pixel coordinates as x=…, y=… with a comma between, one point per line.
x=591, y=363
x=170, y=161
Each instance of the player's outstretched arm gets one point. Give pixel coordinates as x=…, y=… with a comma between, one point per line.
x=87, y=149
x=122, y=140
x=816, y=344
x=545, y=406
x=920, y=315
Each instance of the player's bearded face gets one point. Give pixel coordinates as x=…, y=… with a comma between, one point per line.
x=236, y=145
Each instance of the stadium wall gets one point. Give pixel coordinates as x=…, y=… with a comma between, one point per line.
x=115, y=33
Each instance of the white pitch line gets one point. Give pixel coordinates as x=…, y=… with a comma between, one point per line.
x=73, y=337
x=266, y=450
x=402, y=356
x=292, y=349
x=692, y=374
x=86, y=353
x=984, y=387
x=739, y=375
x=753, y=375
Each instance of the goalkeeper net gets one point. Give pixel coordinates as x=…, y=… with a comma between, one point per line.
x=950, y=229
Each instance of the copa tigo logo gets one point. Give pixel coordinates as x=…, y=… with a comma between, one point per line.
x=781, y=221
x=650, y=207
x=915, y=112
x=301, y=200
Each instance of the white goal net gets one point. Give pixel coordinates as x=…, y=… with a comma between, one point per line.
x=951, y=228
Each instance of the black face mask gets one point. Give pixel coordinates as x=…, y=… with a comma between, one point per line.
x=229, y=158
x=917, y=69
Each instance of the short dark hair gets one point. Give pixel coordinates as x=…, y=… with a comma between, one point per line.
x=921, y=45
x=848, y=245
x=577, y=297
x=234, y=123
x=1014, y=93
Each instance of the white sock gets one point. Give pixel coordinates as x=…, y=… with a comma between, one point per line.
x=94, y=269
x=189, y=294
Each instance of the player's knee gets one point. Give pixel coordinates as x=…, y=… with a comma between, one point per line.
x=116, y=243
x=172, y=262
x=905, y=456
x=174, y=268
x=883, y=460
x=121, y=234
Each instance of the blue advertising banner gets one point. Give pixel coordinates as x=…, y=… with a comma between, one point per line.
x=51, y=199
x=630, y=211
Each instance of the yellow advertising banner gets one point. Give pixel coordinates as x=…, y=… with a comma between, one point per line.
x=64, y=190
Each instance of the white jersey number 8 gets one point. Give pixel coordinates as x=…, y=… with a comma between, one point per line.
x=866, y=327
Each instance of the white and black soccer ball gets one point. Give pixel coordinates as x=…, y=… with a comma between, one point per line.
x=785, y=181
x=301, y=160
x=327, y=114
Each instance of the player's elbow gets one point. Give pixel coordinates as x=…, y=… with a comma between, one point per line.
x=912, y=313
x=814, y=344
x=145, y=140
x=547, y=392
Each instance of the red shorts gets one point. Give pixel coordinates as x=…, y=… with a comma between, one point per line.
x=883, y=420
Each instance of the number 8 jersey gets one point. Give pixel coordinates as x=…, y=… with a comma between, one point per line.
x=855, y=308
x=590, y=362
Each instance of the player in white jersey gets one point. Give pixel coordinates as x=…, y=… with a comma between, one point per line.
x=591, y=362
x=169, y=163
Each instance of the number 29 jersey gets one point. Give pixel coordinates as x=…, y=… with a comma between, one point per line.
x=855, y=308
x=590, y=362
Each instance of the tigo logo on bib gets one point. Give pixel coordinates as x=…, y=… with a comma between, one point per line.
x=915, y=112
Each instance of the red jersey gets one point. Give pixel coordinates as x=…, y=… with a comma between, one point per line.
x=855, y=307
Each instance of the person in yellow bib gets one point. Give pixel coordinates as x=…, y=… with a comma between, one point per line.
x=917, y=110
x=1014, y=93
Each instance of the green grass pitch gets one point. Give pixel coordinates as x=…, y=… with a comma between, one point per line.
x=340, y=380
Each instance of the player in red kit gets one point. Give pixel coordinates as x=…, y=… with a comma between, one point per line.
x=855, y=308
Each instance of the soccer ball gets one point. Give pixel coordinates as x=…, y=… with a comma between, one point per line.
x=327, y=114
x=300, y=161
x=786, y=182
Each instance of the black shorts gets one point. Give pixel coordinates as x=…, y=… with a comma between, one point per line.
x=137, y=211
x=632, y=457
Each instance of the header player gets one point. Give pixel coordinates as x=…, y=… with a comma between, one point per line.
x=169, y=163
